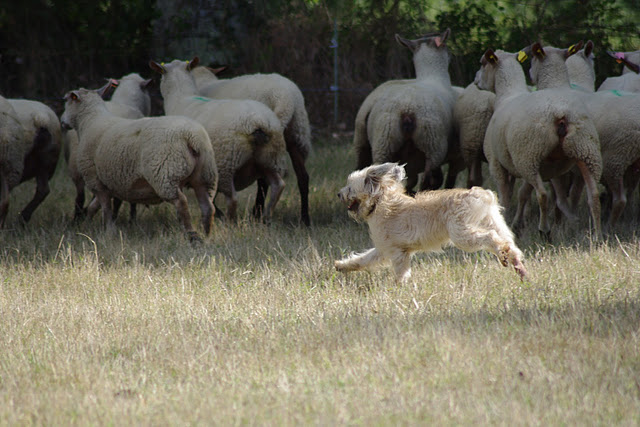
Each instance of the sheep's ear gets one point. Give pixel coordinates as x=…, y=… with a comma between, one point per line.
x=411, y=44
x=442, y=38
x=588, y=48
x=193, y=63
x=573, y=49
x=74, y=95
x=106, y=90
x=146, y=84
x=218, y=70
x=632, y=66
x=157, y=67
x=537, y=50
x=489, y=57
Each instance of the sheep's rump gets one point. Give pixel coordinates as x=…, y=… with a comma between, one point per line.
x=416, y=113
x=147, y=160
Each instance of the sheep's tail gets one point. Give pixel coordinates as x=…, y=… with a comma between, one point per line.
x=259, y=137
x=562, y=128
x=407, y=125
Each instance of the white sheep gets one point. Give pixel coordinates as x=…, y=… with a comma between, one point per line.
x=148, y=160
x=410, y=121
x=129, y=100
x=582, y=75
x=537, y=136
x=615, y=115
x=40, y=147
x=471, y=114
x=13, y=150
x=286, y=100
x=629, y=80
x=246, y=135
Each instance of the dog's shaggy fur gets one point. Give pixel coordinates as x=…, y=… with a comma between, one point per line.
x=401, y=225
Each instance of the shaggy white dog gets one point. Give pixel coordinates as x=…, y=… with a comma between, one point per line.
x=401, y=225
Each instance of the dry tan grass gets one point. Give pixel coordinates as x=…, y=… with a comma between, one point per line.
x=255, y=326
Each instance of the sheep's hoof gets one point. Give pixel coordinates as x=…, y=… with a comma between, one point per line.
x=194, y=237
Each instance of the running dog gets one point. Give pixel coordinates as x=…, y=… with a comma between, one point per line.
x=401, y=225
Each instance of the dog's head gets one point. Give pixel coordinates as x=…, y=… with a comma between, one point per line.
x=365, y=187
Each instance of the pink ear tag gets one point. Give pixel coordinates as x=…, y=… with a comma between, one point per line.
x=438, y=41
x=619, y=57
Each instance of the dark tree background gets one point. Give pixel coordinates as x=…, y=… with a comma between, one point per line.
x=48, y=47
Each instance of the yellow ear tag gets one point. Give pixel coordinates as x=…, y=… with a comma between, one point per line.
x=162, y=63
x=187, y=62
x=540, y=52
x=522, y=56
x=572, y=49
x=492, y=57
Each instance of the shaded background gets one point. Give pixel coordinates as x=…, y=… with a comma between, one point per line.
x=48, y=47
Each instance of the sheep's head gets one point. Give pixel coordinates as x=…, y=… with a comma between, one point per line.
x=365, y=188
x=78, y=100
x=551, y=57
x=485, y=77
x=430, y=53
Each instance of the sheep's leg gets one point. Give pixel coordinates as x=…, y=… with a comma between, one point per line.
x=433, y=177
x=524, y=195
x=79, y=210
x=117, y=203
x=42, y=190
x=261, y=195
x=93, y=207
x=302, y=176
x=592, y=196
x=276, y=184
x=619, y=199
x=107, y=214
x=561, y=199
x=452, y=174
x=575, y=192
x=133, y=213
x=359, y=261
x=543, y=199
x=232, y=203
x=206, y=207
x=475, y=174
x=4, y=200
x=505, y=186
x=182, y=207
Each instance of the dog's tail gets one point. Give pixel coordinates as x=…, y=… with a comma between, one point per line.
x=485, y=208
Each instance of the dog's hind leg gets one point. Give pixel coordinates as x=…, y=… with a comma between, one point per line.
x=359, y=261
x=472, y=239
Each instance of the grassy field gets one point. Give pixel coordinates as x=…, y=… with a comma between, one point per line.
x=255, y=326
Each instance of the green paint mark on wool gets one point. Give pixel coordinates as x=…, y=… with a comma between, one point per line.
x=202, y=98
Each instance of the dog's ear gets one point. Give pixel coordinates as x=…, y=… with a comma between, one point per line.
x=375, y=174
x=398, y=173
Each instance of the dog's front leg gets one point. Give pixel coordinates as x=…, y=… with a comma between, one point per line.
x=359, y=261
x=402, y=266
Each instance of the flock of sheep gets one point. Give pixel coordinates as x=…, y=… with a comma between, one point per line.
x=562, y=131
x=217, y=136
x=222, y=135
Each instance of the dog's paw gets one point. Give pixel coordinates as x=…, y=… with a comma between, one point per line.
x=340, y=265
x=503, y=255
